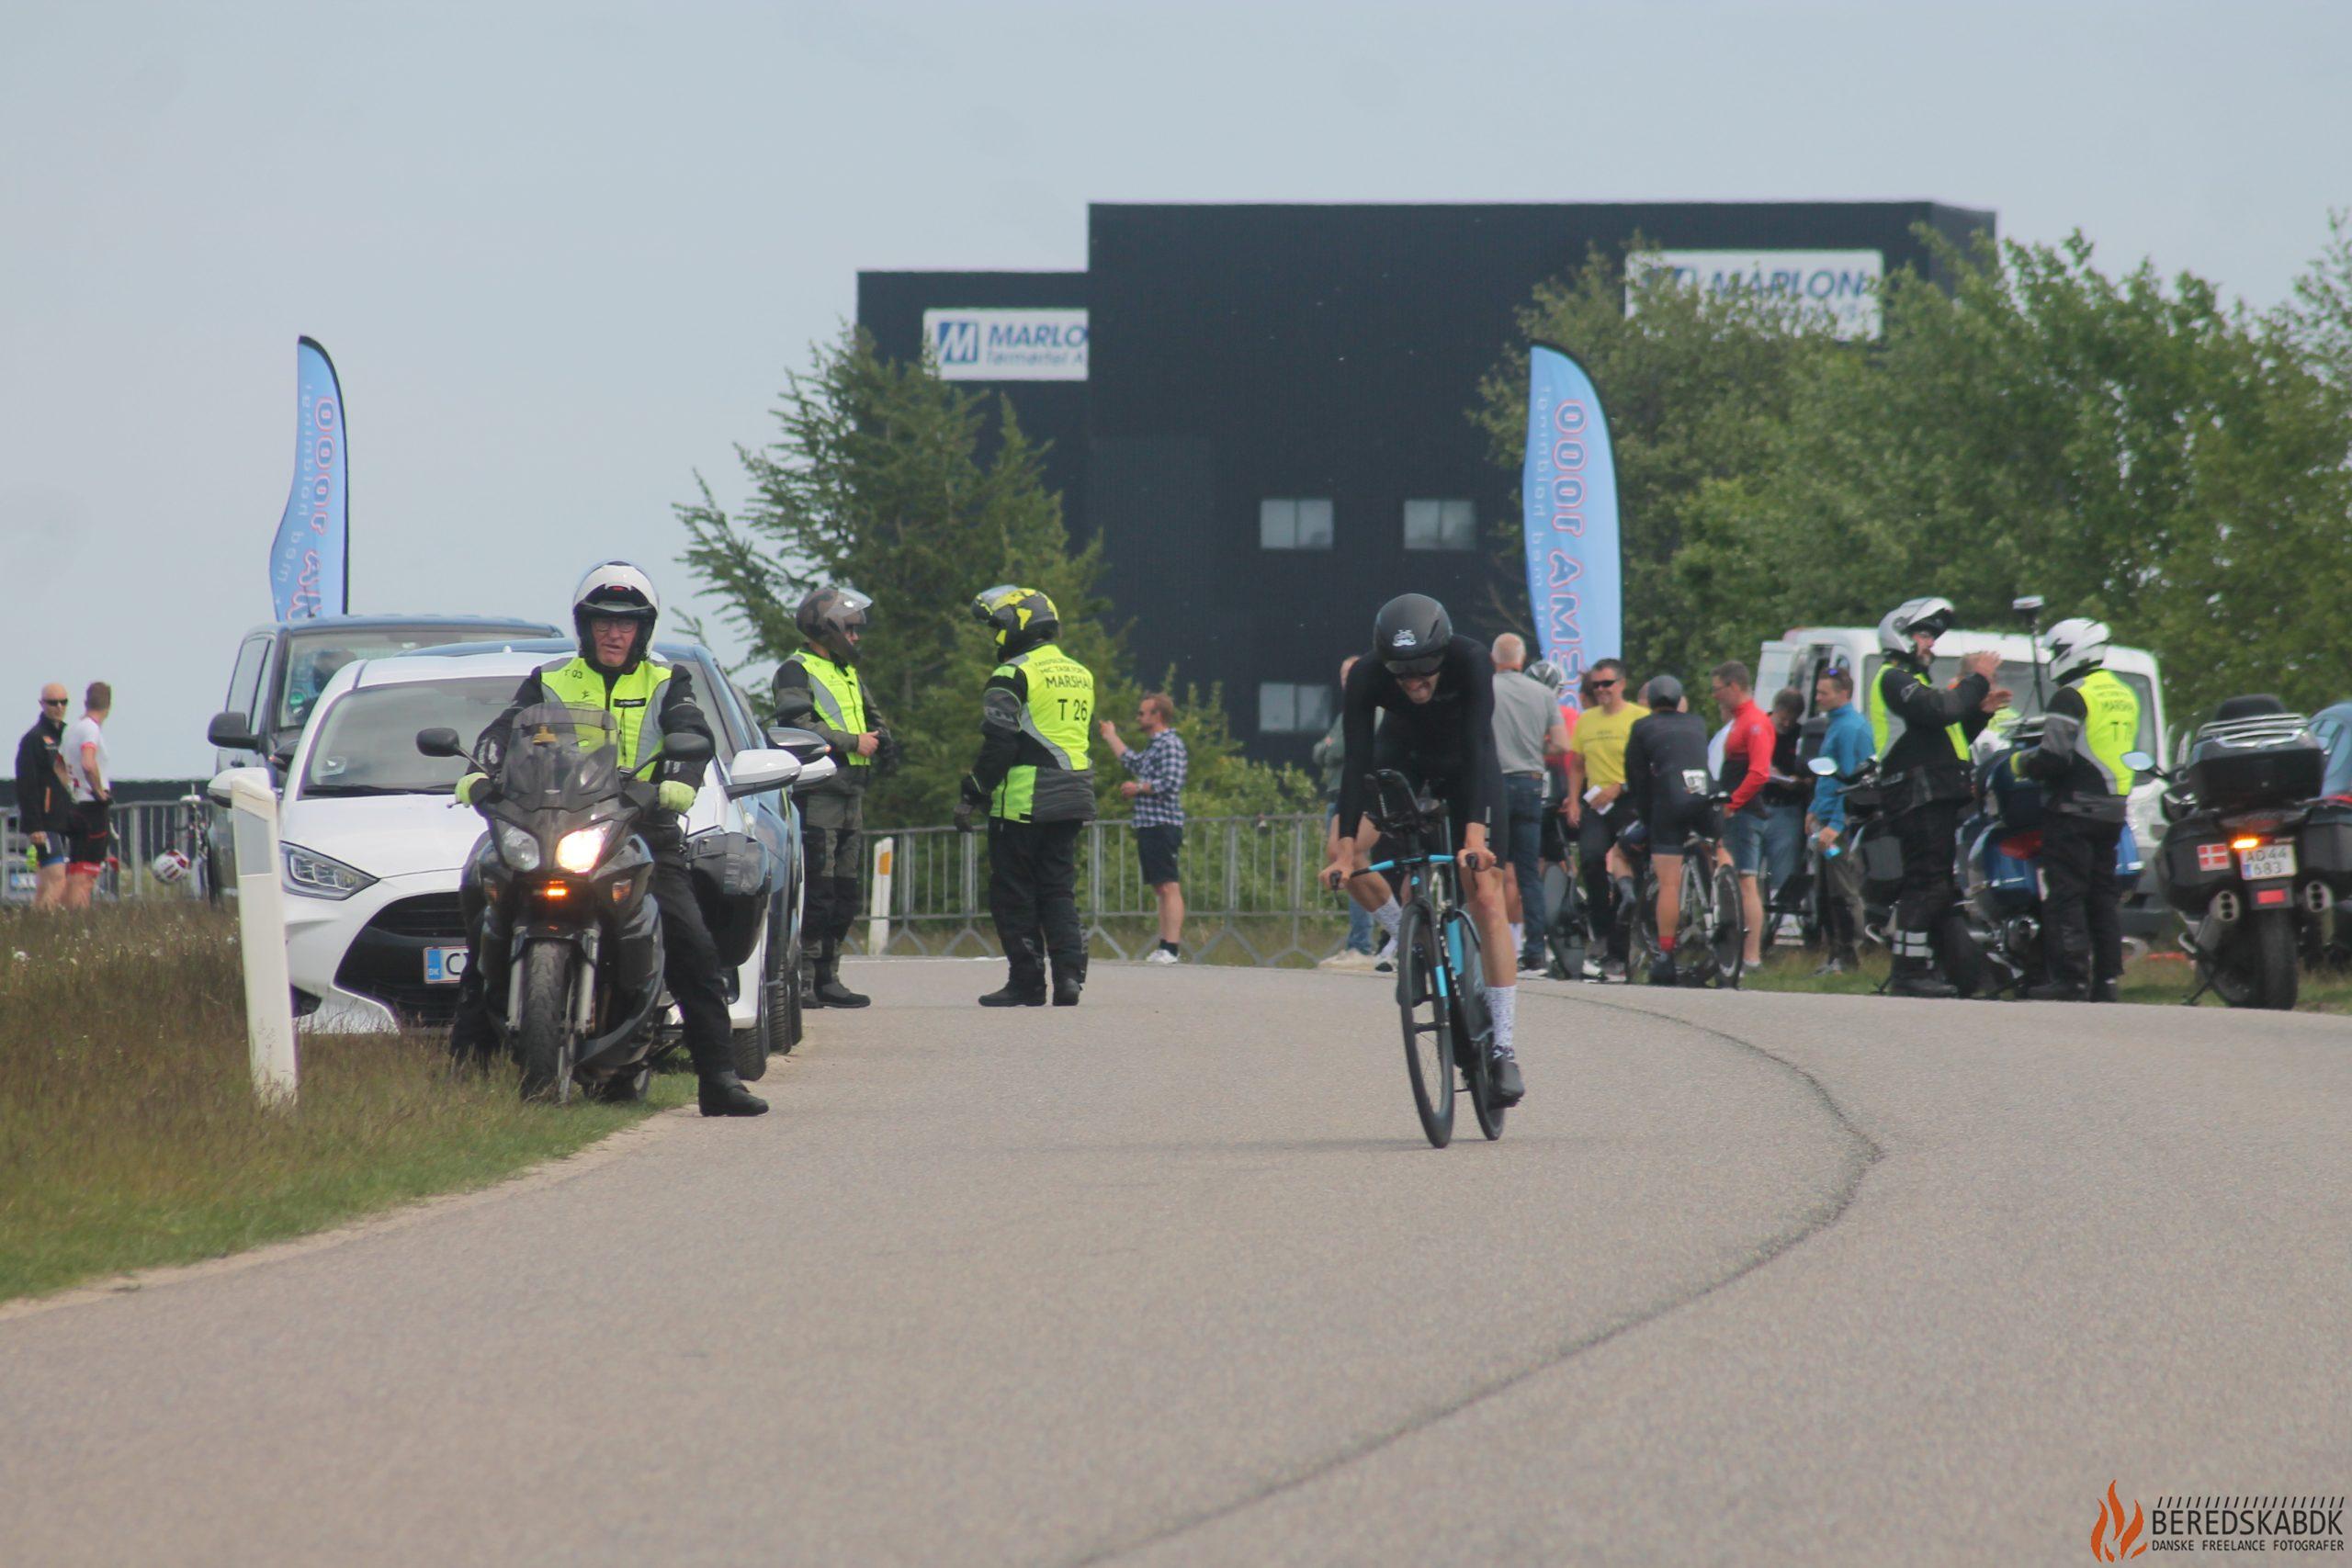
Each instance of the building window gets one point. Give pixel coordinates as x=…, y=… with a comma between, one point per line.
x=1286, y=707
x=1440, y=525
x=1295, y=524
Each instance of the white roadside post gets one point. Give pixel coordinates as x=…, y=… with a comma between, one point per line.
x=261, y=924
x=877, y=923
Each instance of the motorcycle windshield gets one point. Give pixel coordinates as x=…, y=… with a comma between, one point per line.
x=560, y=759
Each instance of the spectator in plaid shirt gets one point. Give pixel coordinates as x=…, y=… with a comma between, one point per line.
x=1158, y=794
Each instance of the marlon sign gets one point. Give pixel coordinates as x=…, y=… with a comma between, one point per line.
x=1844, y=284
x=1007, y=345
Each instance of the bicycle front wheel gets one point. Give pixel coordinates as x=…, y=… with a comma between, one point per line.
x=1475, y=1030
x=1728, y=939
x=1425, y=1007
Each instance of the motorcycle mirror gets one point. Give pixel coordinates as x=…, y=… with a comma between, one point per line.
x=1823, y=766
x=2030, y=605
x=438, y=742
x=686, y=747
x=2138, y=762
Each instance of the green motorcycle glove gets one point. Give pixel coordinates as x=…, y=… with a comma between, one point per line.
x=676, y=794
x=468, y=786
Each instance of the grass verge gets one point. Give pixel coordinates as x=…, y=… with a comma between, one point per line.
x=130, y=1135
x=2159, y=979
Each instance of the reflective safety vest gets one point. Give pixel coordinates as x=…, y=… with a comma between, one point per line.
x=1059, y=716
x=580, y=685
x=839, y=696
x=1883, y=718
x=2112, y=728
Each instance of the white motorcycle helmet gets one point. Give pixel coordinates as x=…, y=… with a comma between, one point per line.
x=615, y=590
x=2076, y=647
x=170, y=866
x=1931, y=613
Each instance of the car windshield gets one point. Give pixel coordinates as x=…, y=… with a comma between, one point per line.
x=312, y=657
x=366, y=742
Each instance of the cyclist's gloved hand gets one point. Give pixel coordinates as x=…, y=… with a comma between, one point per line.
x=675, y=794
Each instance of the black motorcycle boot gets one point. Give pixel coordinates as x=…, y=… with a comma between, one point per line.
x=2056, y=991
x=808, y=980
x=1917, y=978
x=1067, y=987
x=1017, y=992
x=829, y=991
x=723, y=1094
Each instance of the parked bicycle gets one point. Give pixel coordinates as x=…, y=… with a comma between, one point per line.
x=1710, y=928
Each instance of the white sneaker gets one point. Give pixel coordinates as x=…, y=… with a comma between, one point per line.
x=1592, y=968
x=1160, y=955
x=1348, y=958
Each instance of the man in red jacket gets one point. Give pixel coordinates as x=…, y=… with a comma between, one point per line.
x=1747, y=766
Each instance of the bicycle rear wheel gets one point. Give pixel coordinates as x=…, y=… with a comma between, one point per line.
x=1426, y=1011
x=1728, y=937
x=1473, y=1030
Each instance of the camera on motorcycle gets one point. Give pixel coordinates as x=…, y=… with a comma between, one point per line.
x=438, y=742
x=2139, y=762
x=686, y=747
x=1822, y=767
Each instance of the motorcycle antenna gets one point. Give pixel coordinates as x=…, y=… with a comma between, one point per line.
x=2030, y=606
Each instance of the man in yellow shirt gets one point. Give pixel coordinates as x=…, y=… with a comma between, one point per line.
x=1596, y=784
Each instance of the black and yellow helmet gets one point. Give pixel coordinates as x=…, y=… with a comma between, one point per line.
x=1020, y=617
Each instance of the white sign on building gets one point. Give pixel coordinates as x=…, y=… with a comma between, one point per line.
x=1007, y=345
x=1844, y=284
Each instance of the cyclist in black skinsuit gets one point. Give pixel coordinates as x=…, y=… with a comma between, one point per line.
x=1438, y=691
x=1668, y=783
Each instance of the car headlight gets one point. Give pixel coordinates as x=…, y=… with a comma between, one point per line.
x=517, y=847
x=321, y=876
x=579, y=850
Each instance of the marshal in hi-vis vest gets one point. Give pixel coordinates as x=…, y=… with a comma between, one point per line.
x=580, y=685
x=1059, y=717
x=2112, y=728
x=840, y=697
x=1883, y=718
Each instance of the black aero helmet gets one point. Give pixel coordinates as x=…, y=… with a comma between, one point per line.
x=1410, y=635
x=1663, y=692
x=832, y=618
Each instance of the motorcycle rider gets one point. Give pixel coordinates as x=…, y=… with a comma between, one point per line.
x=1928, y=775
x=615, y=675
x=819, y=689
x=1034, y=775
x=2093, y=720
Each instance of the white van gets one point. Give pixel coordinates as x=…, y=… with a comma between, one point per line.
x=1798, y=660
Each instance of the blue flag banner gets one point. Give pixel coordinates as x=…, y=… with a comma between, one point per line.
x=1568, y=488
x=309, y=561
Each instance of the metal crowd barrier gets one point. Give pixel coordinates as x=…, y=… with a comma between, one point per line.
x=1248, y=883
x=143, y=829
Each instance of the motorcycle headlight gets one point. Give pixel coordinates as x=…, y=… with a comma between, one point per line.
x=518, y=848
x=579, y=850
x=321, y=876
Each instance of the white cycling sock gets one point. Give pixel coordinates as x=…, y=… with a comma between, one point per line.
x=1389, y=916
x=1502, y=1005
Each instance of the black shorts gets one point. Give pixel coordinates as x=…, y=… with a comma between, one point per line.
x=1155, y=846
x=89, y=836
x=1672, y=822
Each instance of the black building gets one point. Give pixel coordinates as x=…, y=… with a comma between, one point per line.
x=1272, y=435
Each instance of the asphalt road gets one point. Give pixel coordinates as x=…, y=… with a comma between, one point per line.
x=1172, y=1277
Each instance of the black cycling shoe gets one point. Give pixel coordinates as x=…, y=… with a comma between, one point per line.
x=832, y=993
x=1923, y=983
x=1066, y=989
x=2056, y=991
x=1662, y=971
x=1015, y=995
x=1503, y=1072
x=723, y=1094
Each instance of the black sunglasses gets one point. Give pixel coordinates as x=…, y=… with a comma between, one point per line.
x=54, y=702
x=1602, y=685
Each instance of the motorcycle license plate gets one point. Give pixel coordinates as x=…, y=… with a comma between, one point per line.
x=443, y=965
x=2270, y=861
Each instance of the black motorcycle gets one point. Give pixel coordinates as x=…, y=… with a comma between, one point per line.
x=571, y=937
x=1870, y=815
x=2250, y=860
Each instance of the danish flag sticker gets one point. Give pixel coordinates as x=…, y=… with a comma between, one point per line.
x=2213, y=857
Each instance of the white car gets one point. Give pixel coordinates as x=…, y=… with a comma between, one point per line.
x=374, y=844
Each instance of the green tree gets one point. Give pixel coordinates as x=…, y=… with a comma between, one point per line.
x=875, y=478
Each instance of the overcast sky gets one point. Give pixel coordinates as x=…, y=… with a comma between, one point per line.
x=563, y=255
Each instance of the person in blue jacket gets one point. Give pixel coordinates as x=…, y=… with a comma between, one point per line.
x=1848, y=742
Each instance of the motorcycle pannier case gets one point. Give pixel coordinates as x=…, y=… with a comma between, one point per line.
x=2196, y=862
x=2243, y=763
x=2326, y=845
x=731, y=885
